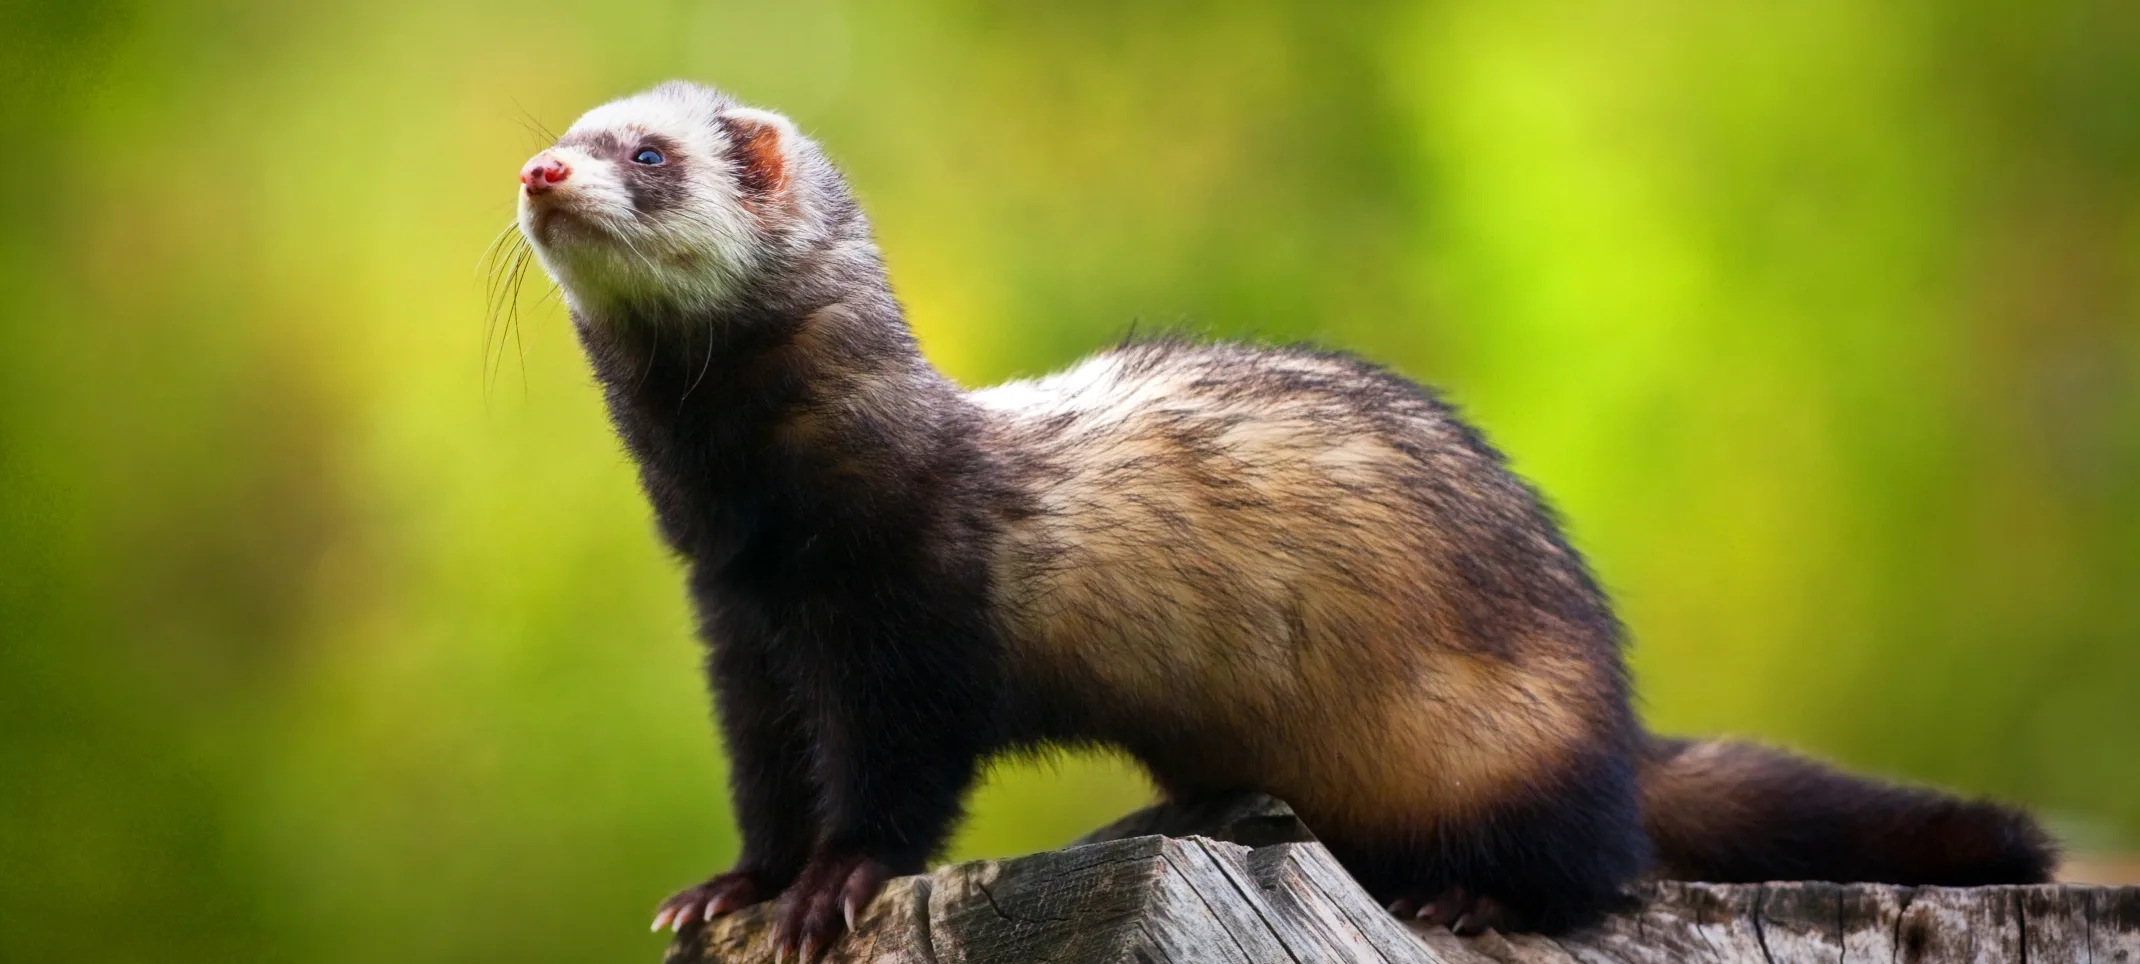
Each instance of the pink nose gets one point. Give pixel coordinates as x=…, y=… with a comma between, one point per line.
x=543, y=172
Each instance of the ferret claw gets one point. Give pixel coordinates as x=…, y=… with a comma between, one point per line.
x=720, y=894
x=726, y=901
x=1461, y=911
x=832, y=891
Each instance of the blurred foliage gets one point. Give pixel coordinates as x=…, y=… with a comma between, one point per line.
x=1818, y=320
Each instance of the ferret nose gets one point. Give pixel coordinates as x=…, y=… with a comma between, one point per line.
x=543, y=172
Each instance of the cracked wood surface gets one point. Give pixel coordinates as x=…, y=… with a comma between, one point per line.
x=1240, y=881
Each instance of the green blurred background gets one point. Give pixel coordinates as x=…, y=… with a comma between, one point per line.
x=1818, y=320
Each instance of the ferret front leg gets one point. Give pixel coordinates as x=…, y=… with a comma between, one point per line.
x=769, y=782
x=902, y=718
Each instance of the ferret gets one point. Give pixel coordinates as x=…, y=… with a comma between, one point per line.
x=1279, y=569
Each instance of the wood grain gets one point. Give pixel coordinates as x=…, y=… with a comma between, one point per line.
x=1240, y=881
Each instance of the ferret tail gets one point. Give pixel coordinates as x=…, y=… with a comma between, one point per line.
x=1737, y=812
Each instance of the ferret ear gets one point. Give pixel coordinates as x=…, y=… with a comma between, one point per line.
x=759, y=142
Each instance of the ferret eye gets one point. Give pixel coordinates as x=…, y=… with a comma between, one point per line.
x=647, y=156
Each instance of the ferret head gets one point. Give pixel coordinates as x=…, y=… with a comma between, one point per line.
x=675, y=200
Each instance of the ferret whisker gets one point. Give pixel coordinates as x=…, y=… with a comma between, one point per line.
x=498, y=293
x=512, y=320
x=501, y=258
x=504, y=254
x=496, y=280
x=514, y=325
x=502, y=316
x=530, y=121
x=703, y=368
x=511, y=228
x=653, y=353
x=653, y=272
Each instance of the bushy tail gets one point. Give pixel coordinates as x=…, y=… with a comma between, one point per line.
x=1737, y=812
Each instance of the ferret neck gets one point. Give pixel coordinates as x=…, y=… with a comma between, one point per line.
x=734, y=367
x=770, y=413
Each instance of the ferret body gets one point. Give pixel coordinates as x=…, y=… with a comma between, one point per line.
x=1290, y=571
x=1251, y=568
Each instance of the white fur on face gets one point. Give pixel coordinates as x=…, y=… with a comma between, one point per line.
x=685, y=256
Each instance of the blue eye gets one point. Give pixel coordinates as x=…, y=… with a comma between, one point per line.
x=647, y=156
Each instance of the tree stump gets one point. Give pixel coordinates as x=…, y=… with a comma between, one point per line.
x=1241, y=881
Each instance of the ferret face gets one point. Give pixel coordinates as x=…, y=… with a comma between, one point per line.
x=664, y=201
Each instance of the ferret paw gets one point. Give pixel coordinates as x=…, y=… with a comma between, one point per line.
x=719, y=895
x=825, y=902
x=1459, y=910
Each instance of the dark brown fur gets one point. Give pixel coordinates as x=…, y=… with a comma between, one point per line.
x=1738, y=812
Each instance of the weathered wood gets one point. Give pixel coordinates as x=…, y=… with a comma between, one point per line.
x=1241, y=881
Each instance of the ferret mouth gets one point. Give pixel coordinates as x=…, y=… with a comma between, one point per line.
x=554, y=221
x=541, y=220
